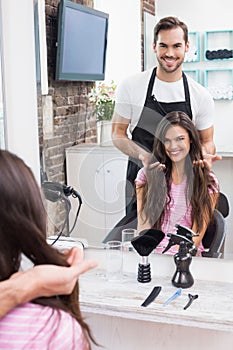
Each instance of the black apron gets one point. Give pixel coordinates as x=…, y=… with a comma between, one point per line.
x=143, y=134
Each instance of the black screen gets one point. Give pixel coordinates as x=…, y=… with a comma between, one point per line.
x=82, y=41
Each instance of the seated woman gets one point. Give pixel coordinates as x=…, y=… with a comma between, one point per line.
x=45, y=323
x=179, y=189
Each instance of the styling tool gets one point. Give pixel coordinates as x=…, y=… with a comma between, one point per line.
x=191, y=299
x=174, y=296
x=151, y=297
x=186, y=231
x=176, y=238
x=144, y=244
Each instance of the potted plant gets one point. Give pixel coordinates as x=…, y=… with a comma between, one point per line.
x=102, y=96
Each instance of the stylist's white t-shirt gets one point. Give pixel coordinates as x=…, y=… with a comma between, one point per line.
x=131, y=95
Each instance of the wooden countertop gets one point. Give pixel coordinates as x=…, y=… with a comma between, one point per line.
x=212, y=310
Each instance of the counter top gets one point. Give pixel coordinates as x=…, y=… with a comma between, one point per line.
x=213, y=309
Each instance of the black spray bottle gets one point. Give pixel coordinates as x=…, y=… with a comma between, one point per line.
x=182, y=277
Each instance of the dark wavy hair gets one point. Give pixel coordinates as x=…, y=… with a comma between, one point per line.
x=168, y=23
x=156, y=194
x=23, y=223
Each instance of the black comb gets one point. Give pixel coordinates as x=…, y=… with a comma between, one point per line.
x=151, y=297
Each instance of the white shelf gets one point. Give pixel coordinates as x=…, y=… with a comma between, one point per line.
x=219, y=82
x=218, y=45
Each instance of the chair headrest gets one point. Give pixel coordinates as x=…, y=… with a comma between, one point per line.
x=223, y=205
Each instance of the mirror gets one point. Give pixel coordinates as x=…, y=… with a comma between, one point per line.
x=103, y=159
x=198, y=22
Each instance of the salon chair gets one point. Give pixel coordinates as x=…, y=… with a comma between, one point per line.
x=223, y=205
x=128, y=221
x=214, y=238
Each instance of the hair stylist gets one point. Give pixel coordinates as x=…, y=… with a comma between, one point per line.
x=144, y=99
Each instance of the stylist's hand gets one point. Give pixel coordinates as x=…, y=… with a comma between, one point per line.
x=208, y=160
x=49, y=280
x=146, y=161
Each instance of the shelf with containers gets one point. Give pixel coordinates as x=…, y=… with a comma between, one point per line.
x=193, y=55
x=218, y=45
x=219, y=82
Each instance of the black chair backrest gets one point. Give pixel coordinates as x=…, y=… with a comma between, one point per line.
x=214, y=236
x=223, y=205
x=128, y=221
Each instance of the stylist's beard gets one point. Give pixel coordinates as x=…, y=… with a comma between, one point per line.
x=164, y=67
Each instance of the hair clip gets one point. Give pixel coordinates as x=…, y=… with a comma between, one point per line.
x=174, y=296
x=191, y=298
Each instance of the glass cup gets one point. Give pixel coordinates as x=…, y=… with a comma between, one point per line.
x=114, y=260
x=127, y=235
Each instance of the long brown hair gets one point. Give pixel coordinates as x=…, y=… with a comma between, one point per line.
x=156, y=194
x=23, y=231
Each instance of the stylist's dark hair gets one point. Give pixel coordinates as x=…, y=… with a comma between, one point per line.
x=23, y=223
x=168, y=23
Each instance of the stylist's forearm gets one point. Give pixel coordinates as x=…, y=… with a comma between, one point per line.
x=208, y=148
x=18, y=290
x=127, y=146
x=12, y=294
x=121, y=140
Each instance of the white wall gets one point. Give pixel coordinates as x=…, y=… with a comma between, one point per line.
x=124, y=37
x=199, y=15
x=20, y=94
x=204, y=16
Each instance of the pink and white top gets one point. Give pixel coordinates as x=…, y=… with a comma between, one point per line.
x=37, y=327
x=178, y=211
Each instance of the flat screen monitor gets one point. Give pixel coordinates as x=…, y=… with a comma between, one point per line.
x=81, y=42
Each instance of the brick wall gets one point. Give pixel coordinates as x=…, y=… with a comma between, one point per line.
x=65, y=116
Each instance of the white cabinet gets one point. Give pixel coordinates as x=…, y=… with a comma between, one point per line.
x=98, y=173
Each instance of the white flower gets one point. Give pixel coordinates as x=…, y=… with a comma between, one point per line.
x=102, y=96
